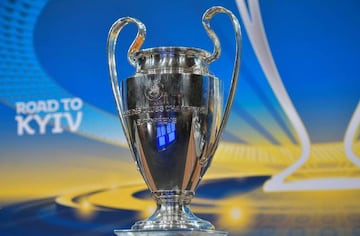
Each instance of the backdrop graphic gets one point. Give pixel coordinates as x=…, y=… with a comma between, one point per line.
x=288, y=163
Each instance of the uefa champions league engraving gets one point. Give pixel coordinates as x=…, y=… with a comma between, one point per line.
x=172, y=114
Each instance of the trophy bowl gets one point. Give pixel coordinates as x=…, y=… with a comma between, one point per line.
x=171, y=111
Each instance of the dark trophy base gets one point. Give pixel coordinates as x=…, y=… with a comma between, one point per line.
x=169, y=232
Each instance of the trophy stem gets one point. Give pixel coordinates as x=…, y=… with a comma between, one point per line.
x=173, y=213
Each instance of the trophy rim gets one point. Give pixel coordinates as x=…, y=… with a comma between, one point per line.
x=175, y=50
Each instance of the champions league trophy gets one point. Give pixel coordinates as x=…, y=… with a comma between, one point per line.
x=172, y=115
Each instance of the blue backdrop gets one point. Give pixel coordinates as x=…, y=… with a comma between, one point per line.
x=64, y=162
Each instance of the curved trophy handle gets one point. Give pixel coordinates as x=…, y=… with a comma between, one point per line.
x=111, y=45
x=134, y=47
x=215, y=55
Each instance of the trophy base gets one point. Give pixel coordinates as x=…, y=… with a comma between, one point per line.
x=172, y=217
x=169, y=232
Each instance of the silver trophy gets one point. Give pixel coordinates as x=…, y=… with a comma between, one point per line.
x=172, y=114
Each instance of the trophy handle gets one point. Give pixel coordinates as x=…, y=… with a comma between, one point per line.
x=135, y=47
x=215, y=55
